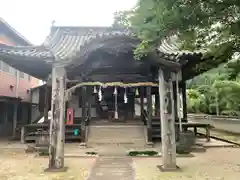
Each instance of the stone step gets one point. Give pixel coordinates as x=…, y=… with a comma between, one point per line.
x=107, y=168
x=117, y=134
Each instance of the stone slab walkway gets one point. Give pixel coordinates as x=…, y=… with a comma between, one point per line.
x=112, y=167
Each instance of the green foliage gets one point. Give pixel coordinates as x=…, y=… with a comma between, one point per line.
x=91, y=153
x=121, y=19
x=140, y=153
x=209, y=25
x=214, y=93
x=212, y=26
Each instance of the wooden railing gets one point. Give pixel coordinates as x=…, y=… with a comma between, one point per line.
x=223, y=123
x=31, y=132
x=213, y=117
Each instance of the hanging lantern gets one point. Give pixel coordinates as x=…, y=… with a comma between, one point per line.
x=125, y=96
x=100, y=94
x=137, y=93
x=95, y=90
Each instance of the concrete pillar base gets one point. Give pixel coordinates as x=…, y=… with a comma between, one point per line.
x=170, y=169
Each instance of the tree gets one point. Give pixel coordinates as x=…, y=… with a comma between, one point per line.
x=122, y=19
x=216, y=94
x=212, y=25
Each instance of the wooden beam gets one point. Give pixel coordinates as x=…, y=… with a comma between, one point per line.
x=149, y=119
x=57, y=125
x=167, y=120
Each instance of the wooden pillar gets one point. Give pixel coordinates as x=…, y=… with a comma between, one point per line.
x=141, y=100
x=178, y=99
x=15, y=118
x=90, y=108
x=6, y=106
x=90, y=97
x=157, y=105
x=23, y=134
x=149, y=119
x=29, y=113
x=57, y=125
x=167, y=120
x=84, y=112
x=46, y=107
x=184, y=99
x=174, y=84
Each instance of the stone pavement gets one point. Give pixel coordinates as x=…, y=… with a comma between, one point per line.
x=112, y=167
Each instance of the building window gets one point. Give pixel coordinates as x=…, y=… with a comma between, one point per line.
x=29, y=78
x=21, y=74
x=0, y=65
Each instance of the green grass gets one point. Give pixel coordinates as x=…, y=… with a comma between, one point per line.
x=91, y=153
x=146, y=153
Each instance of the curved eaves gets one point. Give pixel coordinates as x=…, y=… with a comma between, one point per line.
x=30, y=60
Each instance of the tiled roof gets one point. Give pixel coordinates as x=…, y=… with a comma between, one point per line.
x=26, y=51
x=171, y=46
x=66, y=42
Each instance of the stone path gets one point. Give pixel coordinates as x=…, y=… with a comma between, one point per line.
x=112, y=167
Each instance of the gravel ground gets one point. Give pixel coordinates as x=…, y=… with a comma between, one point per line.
x=215, y=164
x=16, y=165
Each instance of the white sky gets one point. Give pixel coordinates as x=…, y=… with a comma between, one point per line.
x=33, y=18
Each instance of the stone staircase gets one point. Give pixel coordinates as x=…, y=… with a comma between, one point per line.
x=120, y=135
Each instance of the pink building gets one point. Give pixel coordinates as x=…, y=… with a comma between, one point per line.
x=15, y=86
x=14, y=83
